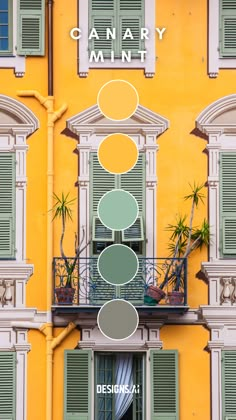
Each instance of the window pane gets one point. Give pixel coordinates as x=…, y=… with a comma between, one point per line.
x=3, y=4
x=3, y=31
x=3, y=44
x=3, y=17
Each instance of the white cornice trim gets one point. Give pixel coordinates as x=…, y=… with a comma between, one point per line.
x=92, y=121
x=27, y=121
x=118, y=346
x=205, y=120
x=9, y=270
x=219, y=268
x=217, y=316
x=9, y=315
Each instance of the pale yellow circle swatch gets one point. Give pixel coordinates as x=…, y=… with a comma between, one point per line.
x=118, y=153
x=118, y=100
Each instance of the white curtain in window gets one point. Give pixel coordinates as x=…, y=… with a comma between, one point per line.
x=123, y=376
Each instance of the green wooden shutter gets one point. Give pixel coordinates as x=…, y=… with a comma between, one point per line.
x=101, y=182
x=31, y=30
x=229, y=384
x=227, y=28
x=101, y=232
x=77, y=389
x=119, y=14
x=7, y=385
x=134, y=182
x=228, y=203
x=131, y=15
x=134, y=232
x=7, y=205
x=102, y=15
x=164, y=385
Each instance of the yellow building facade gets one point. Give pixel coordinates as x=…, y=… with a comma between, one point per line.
x=52, y=353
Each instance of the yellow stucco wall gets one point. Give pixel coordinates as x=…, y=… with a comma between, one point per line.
x=179, y=91
x=194, y=368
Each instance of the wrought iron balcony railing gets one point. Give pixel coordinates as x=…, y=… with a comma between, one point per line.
x=159, y=281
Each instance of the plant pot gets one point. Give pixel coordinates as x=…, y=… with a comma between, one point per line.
x=65, y=295
x=176, y=298
x=149, y=301
x=155, y=293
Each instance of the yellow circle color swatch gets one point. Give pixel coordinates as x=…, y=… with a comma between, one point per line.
x=118, y=153
x=118, y=100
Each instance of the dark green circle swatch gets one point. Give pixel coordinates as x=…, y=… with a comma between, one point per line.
x=118, y=319
x=117, y=264
x=118, y=209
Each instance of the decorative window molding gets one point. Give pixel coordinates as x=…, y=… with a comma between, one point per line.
x=91, y=127
x=215, y=59
x=17, y=122
x=218, y=122
x=13, y=61
x=83, y=51
x=221, y=322
x=26, y=36
x=145, y=340
x=15, y=340
x=6, y=28
x=146, y=337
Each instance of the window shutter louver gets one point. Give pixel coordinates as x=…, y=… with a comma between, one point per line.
x=227, y=28
x=228, y=203
x=134, y=290
x=128, y=44
x=7, y=205
x=119, y=14
x=101, y=183
x=101, y=232
x=164, y=385
x=31, y=31
x=7, y=385
x=134, y=232
x=102, y=16
x=77, y=390
x=132, y=17
x=229, y=384
x=134, y=182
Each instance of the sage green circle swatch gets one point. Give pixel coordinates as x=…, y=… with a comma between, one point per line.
x=117, y=319
x=117, y=264
x=118, y=209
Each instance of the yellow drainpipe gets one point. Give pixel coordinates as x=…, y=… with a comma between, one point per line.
x=52, y=117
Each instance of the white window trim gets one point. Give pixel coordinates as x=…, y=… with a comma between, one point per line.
x=215, y=61
x=13, y=139
x=14, y=61
x=218, y=122
x=83, y=58
x=222, y=326
x=145, y=338
x=220, y=127
x=15, y=340
x=91, y=127
x=15, y=127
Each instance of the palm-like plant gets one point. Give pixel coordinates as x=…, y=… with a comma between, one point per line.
x=62, y=210
x=185, y=239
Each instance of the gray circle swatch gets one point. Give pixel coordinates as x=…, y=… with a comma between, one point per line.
x=117, y=264
x=118, y=209
x=118, y=319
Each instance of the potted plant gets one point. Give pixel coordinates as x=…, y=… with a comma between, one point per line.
x=62, y=210
x=184, y=239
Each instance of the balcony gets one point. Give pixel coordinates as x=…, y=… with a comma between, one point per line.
x=90, y=291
